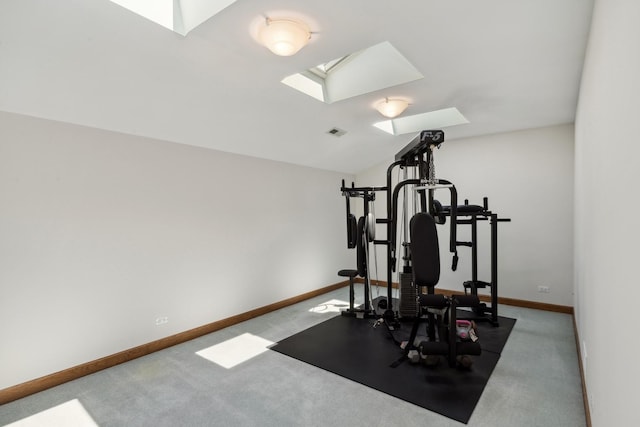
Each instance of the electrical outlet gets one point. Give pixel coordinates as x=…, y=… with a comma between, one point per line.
x=544, y=289
x=161, y=320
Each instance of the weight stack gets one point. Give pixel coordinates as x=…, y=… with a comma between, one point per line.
x=408, y=307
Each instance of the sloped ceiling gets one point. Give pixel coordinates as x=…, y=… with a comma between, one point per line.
x=506, y=65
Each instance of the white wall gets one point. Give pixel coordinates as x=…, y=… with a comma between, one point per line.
x=528, y=177
x=101, y=233
x=607, y=233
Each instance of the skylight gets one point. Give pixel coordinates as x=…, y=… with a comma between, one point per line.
x=180, y=16
x=431, y=120
x=375, y=68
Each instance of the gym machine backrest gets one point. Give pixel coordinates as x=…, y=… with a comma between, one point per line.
x=352, y=229
x=425, y=251
x=351, y=223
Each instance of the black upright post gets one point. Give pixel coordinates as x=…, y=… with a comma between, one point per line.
x=494, y=269
x=391, y=225
x=453, y=230
x=474, y=251
x=365, y=240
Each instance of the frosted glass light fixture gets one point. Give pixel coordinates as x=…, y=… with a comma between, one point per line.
x=392, y=107
x=284, y=37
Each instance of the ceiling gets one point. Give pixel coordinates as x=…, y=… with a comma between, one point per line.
x=505, y=65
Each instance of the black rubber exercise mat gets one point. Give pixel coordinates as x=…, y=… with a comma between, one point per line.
x=354, y=349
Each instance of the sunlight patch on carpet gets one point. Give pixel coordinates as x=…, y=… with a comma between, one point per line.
x=235, y=350
x=68, y=414
x=331, y=306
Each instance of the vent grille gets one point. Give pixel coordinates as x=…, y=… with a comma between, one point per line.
x=336, y=132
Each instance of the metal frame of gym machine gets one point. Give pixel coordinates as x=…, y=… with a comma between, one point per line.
x=355, y=236
x=471, y=217
x=418, y=154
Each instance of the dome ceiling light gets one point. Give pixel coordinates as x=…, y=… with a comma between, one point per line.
x=284, y=37
x=392, y=107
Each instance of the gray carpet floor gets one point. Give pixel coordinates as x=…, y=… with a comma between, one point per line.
x=535, y=383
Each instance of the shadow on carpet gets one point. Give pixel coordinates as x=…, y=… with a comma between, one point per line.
x=354, y=349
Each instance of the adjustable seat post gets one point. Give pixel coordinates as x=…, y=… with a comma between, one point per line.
x=350, y=274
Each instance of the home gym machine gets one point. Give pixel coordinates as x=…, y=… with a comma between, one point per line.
x=416, y=161
x=411, y=160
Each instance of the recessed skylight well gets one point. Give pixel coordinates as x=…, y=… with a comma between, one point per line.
x=418, y=122
x=369, y=70
x=307, y=83
x=180, y=16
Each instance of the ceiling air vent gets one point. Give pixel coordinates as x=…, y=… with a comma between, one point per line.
x=336, y=132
